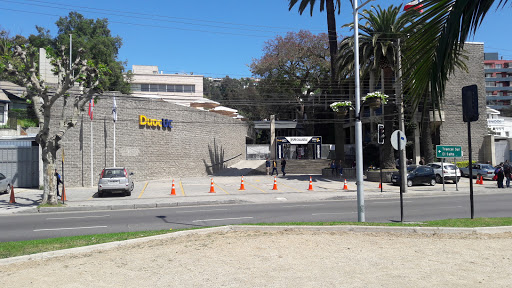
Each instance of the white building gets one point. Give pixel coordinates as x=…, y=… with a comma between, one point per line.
x=501, y=126
x=148, y=81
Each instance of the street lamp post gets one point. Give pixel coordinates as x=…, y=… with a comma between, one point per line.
x=358, y=125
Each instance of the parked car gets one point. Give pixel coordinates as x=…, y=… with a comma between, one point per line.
x=5, y=184
x=115, y=180
x=416, y=174
x=451, y=172
x=485, y=170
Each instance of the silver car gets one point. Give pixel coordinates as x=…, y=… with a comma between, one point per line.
x=479, y=169
x=5, y=184
x=115, y=180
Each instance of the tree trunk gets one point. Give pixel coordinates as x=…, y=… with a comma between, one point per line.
x=50, y=183
x=426, y=139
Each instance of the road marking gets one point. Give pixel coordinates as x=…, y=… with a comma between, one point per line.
x=290, y=187
x=220, y=188
x=143, y=189
x=192, y=211
x=222, y=219
x=255, y=187
x=182, y=190
x=101, y=216
x=304, y=205
x=333, y=213
x=72, y=228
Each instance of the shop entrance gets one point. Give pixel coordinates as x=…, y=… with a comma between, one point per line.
x=299, y=147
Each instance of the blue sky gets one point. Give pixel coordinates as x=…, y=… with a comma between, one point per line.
x=211, y=38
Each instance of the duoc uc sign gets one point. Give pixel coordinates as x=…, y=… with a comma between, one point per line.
x=162, y=123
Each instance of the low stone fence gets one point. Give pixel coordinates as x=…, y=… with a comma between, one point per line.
x=374, y=175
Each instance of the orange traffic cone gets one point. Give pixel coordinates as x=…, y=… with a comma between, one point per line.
x=380, y=184
x=173, y=190
x=275, y=184
x=481, y=180
x=12, y=200
x=242, y=187
x=345, y=187
x=310, y=184
x=212, y=190
x=477, y=180
x=64, y=198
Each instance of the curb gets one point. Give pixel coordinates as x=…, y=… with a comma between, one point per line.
x=234, y=228
x=129, y=206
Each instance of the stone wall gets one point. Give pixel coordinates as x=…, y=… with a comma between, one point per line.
x=453, y=130
x=199, y=142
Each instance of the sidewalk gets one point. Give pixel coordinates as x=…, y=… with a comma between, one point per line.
x=195, y=191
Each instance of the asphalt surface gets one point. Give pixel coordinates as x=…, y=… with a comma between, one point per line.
x=416, y=209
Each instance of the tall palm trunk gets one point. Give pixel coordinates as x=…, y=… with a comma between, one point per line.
x=388, y=153
x=333, y=40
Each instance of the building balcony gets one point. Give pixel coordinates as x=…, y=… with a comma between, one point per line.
x=492, y=88
x=498, y=70
x=498, y=98
x=495, y=79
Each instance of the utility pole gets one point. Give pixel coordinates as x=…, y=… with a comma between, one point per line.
x=358, y=124
x=401, y=124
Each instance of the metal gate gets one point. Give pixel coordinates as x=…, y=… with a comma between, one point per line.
x=21, y=164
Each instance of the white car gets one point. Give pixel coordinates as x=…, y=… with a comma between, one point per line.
x=5, y=184
x=451, y=172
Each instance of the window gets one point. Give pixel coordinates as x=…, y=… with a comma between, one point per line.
x=490, y=84
x=498, y=75
x=164, y=88
x=2, y=113
x=178, y=88
x=488, y=75
x=499, y=84
x=487, y=66
x=497, y=66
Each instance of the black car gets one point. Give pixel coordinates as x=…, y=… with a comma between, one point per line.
x=416, y=175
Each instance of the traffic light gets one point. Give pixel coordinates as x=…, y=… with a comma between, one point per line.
x=380, y=133
x=470, y=103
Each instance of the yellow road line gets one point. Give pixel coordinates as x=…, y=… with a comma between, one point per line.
x=143, y=189
x=220, y=188
x=290, y=187
x=255, y=187
x=182, y=190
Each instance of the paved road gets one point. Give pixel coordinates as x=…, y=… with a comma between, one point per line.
x=49, y=225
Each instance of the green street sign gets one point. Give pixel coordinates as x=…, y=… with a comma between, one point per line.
x=448, y=151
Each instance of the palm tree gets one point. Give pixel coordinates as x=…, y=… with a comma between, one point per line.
x=327, y=5
x=378, y=55
x=434, y=49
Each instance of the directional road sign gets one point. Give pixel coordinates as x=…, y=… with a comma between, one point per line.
x=448, y=151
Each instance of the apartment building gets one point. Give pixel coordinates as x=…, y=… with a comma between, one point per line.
x=498, y=75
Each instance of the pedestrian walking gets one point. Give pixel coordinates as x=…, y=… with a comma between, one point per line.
x=267, y=166
x=333, y=168
x=507, y=170
x=274, y=167
x=500, y=175
x=59, y=181
x=283, y=166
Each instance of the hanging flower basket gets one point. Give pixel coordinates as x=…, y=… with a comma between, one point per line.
x=375, y=99
x=341, y=108
x=342, y=112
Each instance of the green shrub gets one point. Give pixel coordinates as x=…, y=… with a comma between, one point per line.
x=463, y=164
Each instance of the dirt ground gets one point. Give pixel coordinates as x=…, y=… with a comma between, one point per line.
x=280, y=259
